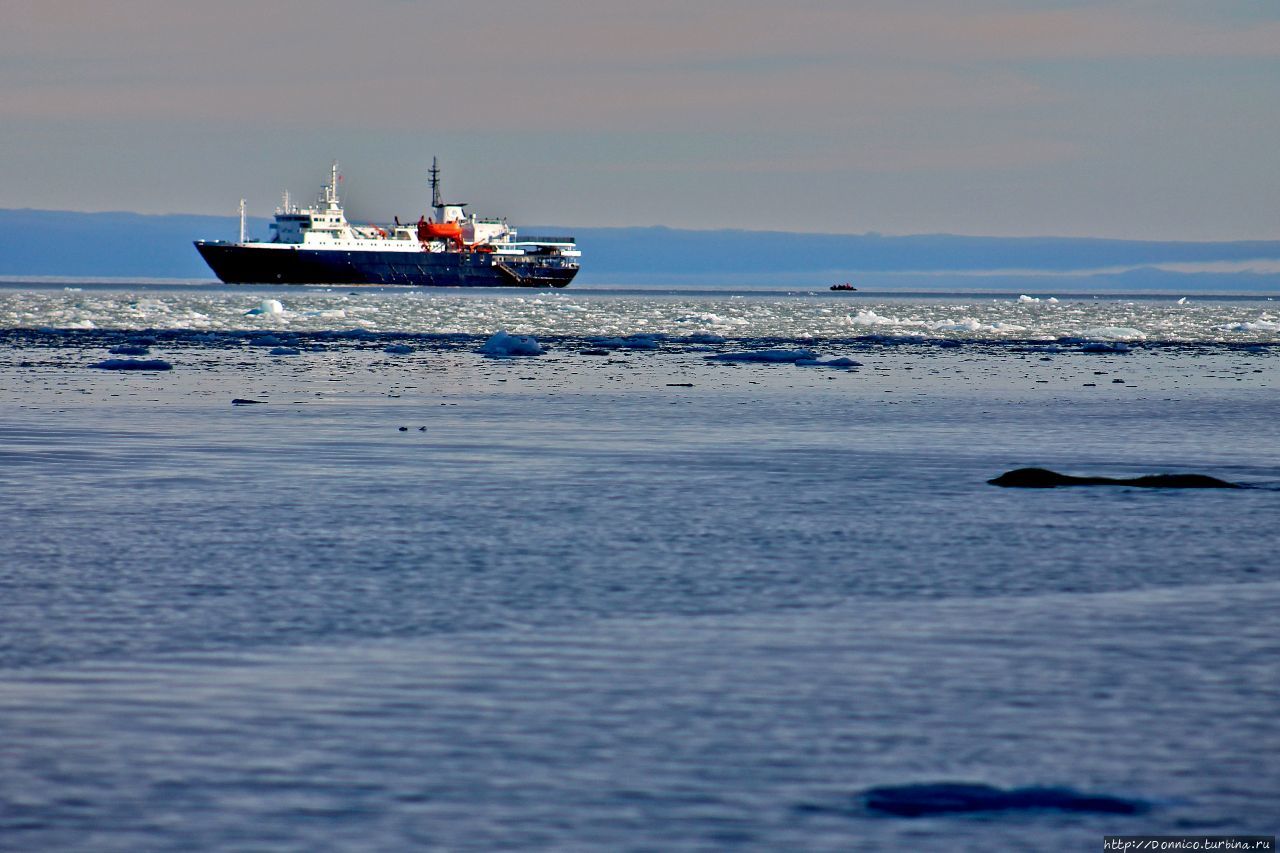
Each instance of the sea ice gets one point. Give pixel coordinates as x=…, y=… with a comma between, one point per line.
x=1115, y=333
x=1256, y=326
x=265, y=341
x=703, y=338
x=776, y=356
x=398, y=349
x=629, y=342
x=268, y=306
x=502, y=345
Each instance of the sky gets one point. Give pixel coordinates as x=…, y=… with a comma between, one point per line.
x=1128, y=118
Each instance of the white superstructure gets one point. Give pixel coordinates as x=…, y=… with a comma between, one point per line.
x=324, y=226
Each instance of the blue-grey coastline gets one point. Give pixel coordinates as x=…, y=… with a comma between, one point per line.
x=698, y=576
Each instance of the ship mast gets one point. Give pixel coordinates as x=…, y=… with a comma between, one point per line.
x=331, y=191
x=435, y=185
x=241, y=220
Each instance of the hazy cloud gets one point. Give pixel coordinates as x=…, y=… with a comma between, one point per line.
x=1045, y=92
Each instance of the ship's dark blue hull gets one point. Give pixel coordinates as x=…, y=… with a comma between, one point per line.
x=239, y=264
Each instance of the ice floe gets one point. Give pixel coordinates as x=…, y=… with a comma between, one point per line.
x=1115, y=333
x=503, y=345
x=629, y=342
x=776, y=356
x=268, y=306
x=690, y=319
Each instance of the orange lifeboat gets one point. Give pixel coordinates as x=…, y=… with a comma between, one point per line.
x=451, y=231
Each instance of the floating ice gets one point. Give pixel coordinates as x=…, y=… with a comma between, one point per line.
x=133, y=364
x=777, y=356
x=502, y=345
x=1115, y=333
x=629, y=342
x=871, y=318
x=130, y=349
x=1025, y=298
x=686, y=318
x=1104, y=346
x=1255, y=326
x=712, y=320
x=398, y=349
x=268, y=306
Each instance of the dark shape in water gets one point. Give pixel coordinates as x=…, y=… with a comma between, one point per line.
x=1042, y=478
x=133, y=364
x=961, y=798
x=241, y=402
x=130, y=349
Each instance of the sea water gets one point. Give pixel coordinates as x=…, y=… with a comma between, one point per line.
x=626, y=594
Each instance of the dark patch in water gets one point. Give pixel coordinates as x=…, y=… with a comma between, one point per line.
x=964, y=798
x=1042, y=478
x=133, y=364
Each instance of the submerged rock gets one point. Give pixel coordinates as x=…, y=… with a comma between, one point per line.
x=960, y=798
x=1043, y=478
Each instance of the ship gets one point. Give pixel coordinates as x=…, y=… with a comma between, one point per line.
x=450, y=248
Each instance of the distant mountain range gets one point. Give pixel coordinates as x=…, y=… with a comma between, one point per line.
x=65, y=243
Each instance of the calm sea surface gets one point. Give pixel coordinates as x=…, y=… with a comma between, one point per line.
x=622, y=595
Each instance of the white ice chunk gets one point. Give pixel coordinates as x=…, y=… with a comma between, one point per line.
x=1115, y=333
x=502, y=345
x=1256, y=326
x=268, y=306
